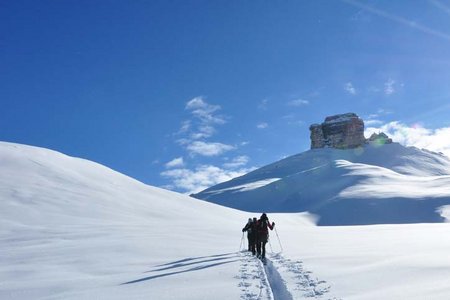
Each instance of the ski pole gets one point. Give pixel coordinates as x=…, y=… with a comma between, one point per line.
x=270, y=244
x=278, y=239
x=242, y=239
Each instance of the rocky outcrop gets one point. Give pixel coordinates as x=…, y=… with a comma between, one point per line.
x=340, y=131
x=379, y=138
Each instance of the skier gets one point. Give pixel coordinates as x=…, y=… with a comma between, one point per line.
x=250, y=233
x=263, y=235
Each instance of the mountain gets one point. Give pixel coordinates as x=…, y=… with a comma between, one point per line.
x=74, y=229
x=373, y=184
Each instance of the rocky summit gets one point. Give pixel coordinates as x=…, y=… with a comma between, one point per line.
x=343, y=131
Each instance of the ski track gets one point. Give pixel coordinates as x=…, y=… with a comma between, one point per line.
x=279, y=279
x=253, y=281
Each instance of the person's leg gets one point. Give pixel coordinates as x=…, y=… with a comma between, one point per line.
x=251, y=243
x=258, y=247
x=263, y=255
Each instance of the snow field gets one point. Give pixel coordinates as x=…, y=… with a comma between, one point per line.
x=73, y=229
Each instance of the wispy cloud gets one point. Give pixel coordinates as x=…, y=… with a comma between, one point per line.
x=373, y=122
x=204, y=131
x=441, y=6
x=398, y=19
x=200, y=178
x=374, y=118
x=382, y=111
x=185, y=126
x=298, y=102
x=349, y=88
x=201, y=126
x=389, y=88
x=237, y=162
x=205, y=111
x=437, y=140
x=204, y=119
x=175, y=163
x=208, y=149
x=194, y=137
x=262, y=125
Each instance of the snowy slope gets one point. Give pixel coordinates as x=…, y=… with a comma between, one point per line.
x=370, y=185
x=73, y=229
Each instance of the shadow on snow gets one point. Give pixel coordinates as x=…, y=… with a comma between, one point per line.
x=200, y=265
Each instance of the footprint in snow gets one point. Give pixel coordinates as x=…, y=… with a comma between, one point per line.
x=300, y=282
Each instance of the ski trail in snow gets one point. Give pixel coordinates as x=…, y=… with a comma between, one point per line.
x=292, y=281
x=277, y=284
x=265, y=282
x=253, y=282
x=279, y=279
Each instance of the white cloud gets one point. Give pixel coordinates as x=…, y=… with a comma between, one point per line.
x=195, y=132
x=204, y=131
x=349, y=88
x=237, y=162
x=262, y=125
x=204, y=120
x=199, y=103
x=208, y=149
x=389, y=88
x=185, y=126
x=298, y=102
x=202, y=177
x=175, y=163
x=374, y=117
x=437, y=140
x=204, y=111
x=183, y=141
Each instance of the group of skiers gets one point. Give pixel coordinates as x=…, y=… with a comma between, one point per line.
x=258, y=234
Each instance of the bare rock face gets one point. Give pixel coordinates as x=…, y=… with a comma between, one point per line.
x=342, y=131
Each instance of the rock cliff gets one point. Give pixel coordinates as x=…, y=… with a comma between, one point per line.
x=342, y=131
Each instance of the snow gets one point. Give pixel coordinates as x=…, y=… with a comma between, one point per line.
x=246, y=187
x=384, y=183
x=375, y=184
x=73, y=229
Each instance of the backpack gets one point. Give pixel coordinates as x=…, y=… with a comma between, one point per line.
x=262, y=225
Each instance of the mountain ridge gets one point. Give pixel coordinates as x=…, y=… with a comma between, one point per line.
x=319, y=180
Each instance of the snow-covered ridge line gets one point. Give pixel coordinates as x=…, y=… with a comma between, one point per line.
x=408, y=184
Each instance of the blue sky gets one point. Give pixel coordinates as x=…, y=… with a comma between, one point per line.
x=185, y=94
